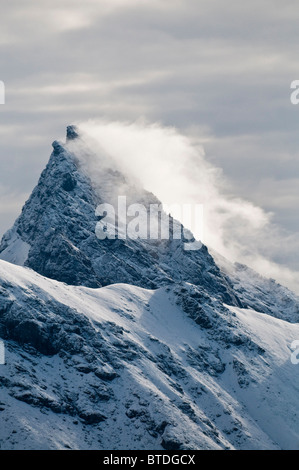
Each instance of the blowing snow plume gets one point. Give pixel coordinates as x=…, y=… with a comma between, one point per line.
x=167, y=163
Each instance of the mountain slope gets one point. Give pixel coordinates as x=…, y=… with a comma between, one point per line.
x=123, y=367
x=134, y=344
x=55, y=234
x=259, y=293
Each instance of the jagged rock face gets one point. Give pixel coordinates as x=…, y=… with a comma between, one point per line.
x=58, y=223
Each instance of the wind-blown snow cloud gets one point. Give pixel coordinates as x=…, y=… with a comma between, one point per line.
x=168, y=164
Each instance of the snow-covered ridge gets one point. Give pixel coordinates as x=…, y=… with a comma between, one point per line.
x=135, y=344
x=123, y=367
x=259, y=293
x=15, y=250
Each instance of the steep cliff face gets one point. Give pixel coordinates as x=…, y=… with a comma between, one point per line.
x=55, y=234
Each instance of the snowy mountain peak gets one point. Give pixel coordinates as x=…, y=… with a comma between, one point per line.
x=56, y=231
x=143, y=345
x=72, y=132
x=56, y=236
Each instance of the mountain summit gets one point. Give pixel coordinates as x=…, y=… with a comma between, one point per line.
x=55, y=234
x=123, y=343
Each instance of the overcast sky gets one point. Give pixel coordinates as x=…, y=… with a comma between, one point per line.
x=218, y=71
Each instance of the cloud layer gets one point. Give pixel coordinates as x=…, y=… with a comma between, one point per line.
x=168, y=164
